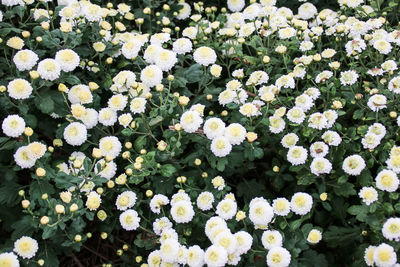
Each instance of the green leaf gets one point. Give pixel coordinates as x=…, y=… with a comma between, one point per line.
x=167, y=170
x=193, y=74
x=45, y=104
x=72, y=80
x=156, y=120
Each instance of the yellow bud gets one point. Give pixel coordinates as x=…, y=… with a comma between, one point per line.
x=109, y=60
x=275, y=169
x=138, y=259
x=170, y=77
x=251, y=137
x=25, y=203
x=28, y=131
x=96, y=153
x=26, y=34
x=224, y=113
x=103, y=235
x=137, y=165
x=162, y=145
x=209, y=97
x=62, y=88
x=57, y=142
x=323, y=196
x=240, y=215
x=73, y=207
x=393, y=114
x=178, y=127
x=149, y=193
x=40, y=172
x=45, y=196
x=197, y=162
x=183, y=100
x=60, y=209
x=110, y=184
x=204, y=175
x=45, y=25
x=39, y=39
x=3, y=89
x=129, y=171
x=78, y=238
x=266, y=59
x=34, y=74
x=100, y=190
x=44, y=220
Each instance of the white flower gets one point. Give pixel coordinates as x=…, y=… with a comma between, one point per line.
x=215, y=256
x=370, y=141
x=304, y=101
x=107, y=116
x=129, y=220
x=26, y=247
x=319, y=150
x=138, y=105
x=213, y=127
x=244, y=242
x=301, y=203
x=226, y=240
x=157, y=202
x=221, y=146
x=191, y=121
x=25, y=59
x=75, y=134
x=271, y=239
x=289, y=140
x=383, y=46
x=131, y=48
x=369, y=255
x=154, y=259
x=169, y=250
x=110, y=146
x=296, y=115
x=80, y=94
x=297, y=155
x=331, y=116
x=161, y=224
x=49, y=69
x=320, y=166
x=180, y=196
x=23, y=159
x=249, y=109
x=285, y=81
x=204, y=56
x=226, y=209
x=394, y=85
x=151, y=75
x=314, y=236
x=281, y=206
x=90, y=118
x=184, y=12
x=19, y=89
x=353, y=165
x=307, y=11
x=387, y=180
x=384, y=255
x=182, y=212
x=378, y=129
x=235, y=5
x=377, y=102
x=67, y=59
x=332, y=138
x=126, y=200
x=125, y=119
x=235, y=133
x=182, y=46
x=205, y=200
x=278, y=257
x=9, y=259
x=257, y=78
x=323, y=76
x=123, y=81
x=317, y=121
x=276, y=124
x=227, y=96
x=348, y=77
x=391, y=229
x=13, y=125
x=195, y=256
x=166, y=59
x=260, y=212
x=368, y=195
x=117, y=102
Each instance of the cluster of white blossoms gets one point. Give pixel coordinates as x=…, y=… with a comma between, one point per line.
x=25, y=247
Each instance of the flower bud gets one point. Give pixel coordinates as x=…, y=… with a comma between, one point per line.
x=25, y=203
x=73, y=207
x=60, y=209
x=40, y=172
x=44, y=220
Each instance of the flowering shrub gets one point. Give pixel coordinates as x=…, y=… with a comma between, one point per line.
x=165, y=133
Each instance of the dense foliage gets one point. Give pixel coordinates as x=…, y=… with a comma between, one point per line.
x=165, y=133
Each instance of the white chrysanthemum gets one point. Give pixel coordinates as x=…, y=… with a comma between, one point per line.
x=281, y=206
x=138, y=105
x=370, y=141
x=23, y=159
x=25, y=59
x=297, y=155
x=182, y=46
x=257, y=78
x=75, y=134
x=166, y=59
x=296, y=115
x=331, y=116
x=205, y=201
x=195, y=256
x=301, y=203
x=168, y=233
x=184, y=12
x=216, y=256
x=393, y=163
x=394, y=85
x=49, y=69
x=348, y=77
x=110, y=146
x=123, y=81
x=169, y=250
x=369, y=255
x=278, y=257
x=260, y=212
x=180, y=196
x=391, y=229
x=221, y=146
x=226, y=240
x=387, y=180
x=157, y=202
x=314, y=236
x=117, y=102
x=107, y=169
x=36, y=150
x=384, y=255
x=126, y=200
x=213, y=127
x=190, y=32
x=9, y=259
x=235, y=133
x=107, y=116
x=212, y=223
x=67, y=59
x=307, y=11
x=304, y=101
x=13, y=125
x=289, y=140
x=243, y=242
x=151, y=75
x=285, y=81
x=151, y=53
x=131, y=49
x=320, y=166
x=383, y=46
x=182, y=212
x=80, y=94
x=227, y=96
x=226, y=209
x=129, y=220
x=26, y=247
x=271, y=239
x=276, y=124
x=204, y=56
x=191, y=121
x=319, y=150
x=90, y=118
x=317, y=121
x=125, y=119
x=323, y=76
x=332, y=138
x=286, y=33
x=368, y=195
x=249, y=110
x=353, y=165
x=377, y=102
x=235, y=5
x=154, y=259
x=19, y=89
x=161, y=224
